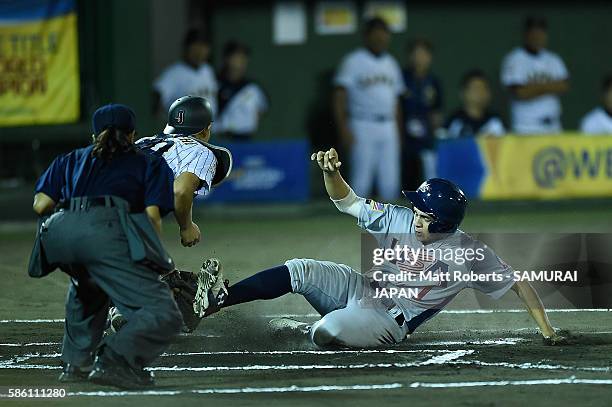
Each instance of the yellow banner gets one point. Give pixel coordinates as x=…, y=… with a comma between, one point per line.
x=547, y=167
x=39, y=71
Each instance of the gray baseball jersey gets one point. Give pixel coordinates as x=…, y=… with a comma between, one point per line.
x=424, y=267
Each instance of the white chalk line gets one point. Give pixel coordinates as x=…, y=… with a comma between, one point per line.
x=435, y=360
x=447, y=358
x=337, y=388
x=501, y=341
x=536, y=382
x=537, y=366
x=313, y=315
x=241, y=390
x=18, y=344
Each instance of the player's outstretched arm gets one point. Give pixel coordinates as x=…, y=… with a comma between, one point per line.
x=338, y=190
x=185, y=186
x=534, y=305
x=328, y=161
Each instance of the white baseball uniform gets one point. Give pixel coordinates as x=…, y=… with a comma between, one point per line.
x=241, y=114
x=597, y=121
x=181, y=79
x=542, y=114
x=184, y=154
x=346, y=298
x=373, y=84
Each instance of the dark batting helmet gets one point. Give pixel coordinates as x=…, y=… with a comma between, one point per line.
x=442, y=200
x=189, y=115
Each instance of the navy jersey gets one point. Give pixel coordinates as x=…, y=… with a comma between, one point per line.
x=422, y=97
x=141, y=179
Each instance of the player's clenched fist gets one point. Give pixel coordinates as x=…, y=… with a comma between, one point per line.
x=190, y=236
x=327, y=160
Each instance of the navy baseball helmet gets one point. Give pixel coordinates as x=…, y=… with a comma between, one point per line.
x=189, y=115
x=443, y=201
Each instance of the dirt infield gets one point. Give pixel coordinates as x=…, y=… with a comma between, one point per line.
x=470, y=354
x=236, y=359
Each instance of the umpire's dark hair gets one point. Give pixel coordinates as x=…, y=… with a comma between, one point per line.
x=532, y=22
x=606, y=84
x=110, y=142
x=420, y=42
x=471, y=75
x=194, y=35
x=232, y=47
x=375, y=23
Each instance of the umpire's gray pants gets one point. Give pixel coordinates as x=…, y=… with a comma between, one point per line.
x=94, y=242
x=351, y=316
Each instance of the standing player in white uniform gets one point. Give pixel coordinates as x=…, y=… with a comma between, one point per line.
x=366, y=108
x=354, y=312
x=192, y=75
x=535, y=78
x=599, y=120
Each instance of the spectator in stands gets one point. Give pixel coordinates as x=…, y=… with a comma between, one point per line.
x=241, y=100
x=366, y=106
x=192, y=75
x=422, y=104
x=535, y=78
x=599, y=120
x=474, y=118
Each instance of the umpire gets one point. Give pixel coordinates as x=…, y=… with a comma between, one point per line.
x=94, y=195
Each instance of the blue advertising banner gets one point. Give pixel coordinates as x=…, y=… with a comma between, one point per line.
x=275, y=171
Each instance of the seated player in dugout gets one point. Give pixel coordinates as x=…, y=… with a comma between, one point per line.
x=351, y=313
x=474, y=118
x=198, y=166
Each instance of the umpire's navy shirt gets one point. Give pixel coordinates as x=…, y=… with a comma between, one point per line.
x=141, y=179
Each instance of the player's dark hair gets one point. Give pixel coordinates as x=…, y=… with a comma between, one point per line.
x=532, y=22
x=194, y=35
x=375, y=23
x=420, y=42
x=110, y=142
x=472, y=74
x=606, y=83
x=233, y=47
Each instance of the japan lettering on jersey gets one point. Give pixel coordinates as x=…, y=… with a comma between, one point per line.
x=392, y=225
x=540, y=114
x=183, y=154
x=373, y=84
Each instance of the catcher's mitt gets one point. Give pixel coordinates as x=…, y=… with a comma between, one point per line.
x=184, y=285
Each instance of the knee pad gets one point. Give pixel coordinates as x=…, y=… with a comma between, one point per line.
x=324, y=334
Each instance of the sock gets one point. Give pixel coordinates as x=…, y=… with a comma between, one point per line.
x=265, y=285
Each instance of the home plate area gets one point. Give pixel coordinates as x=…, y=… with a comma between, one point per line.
x=229, y=356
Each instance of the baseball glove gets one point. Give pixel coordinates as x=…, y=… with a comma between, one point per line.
x=184, y=286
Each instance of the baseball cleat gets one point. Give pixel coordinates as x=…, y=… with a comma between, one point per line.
x=111, y=369
x=281, y=326
x=212, y=290
x=72, y=374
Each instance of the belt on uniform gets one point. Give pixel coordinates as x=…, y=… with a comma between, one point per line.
x=392, y=309
x=83, y=203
